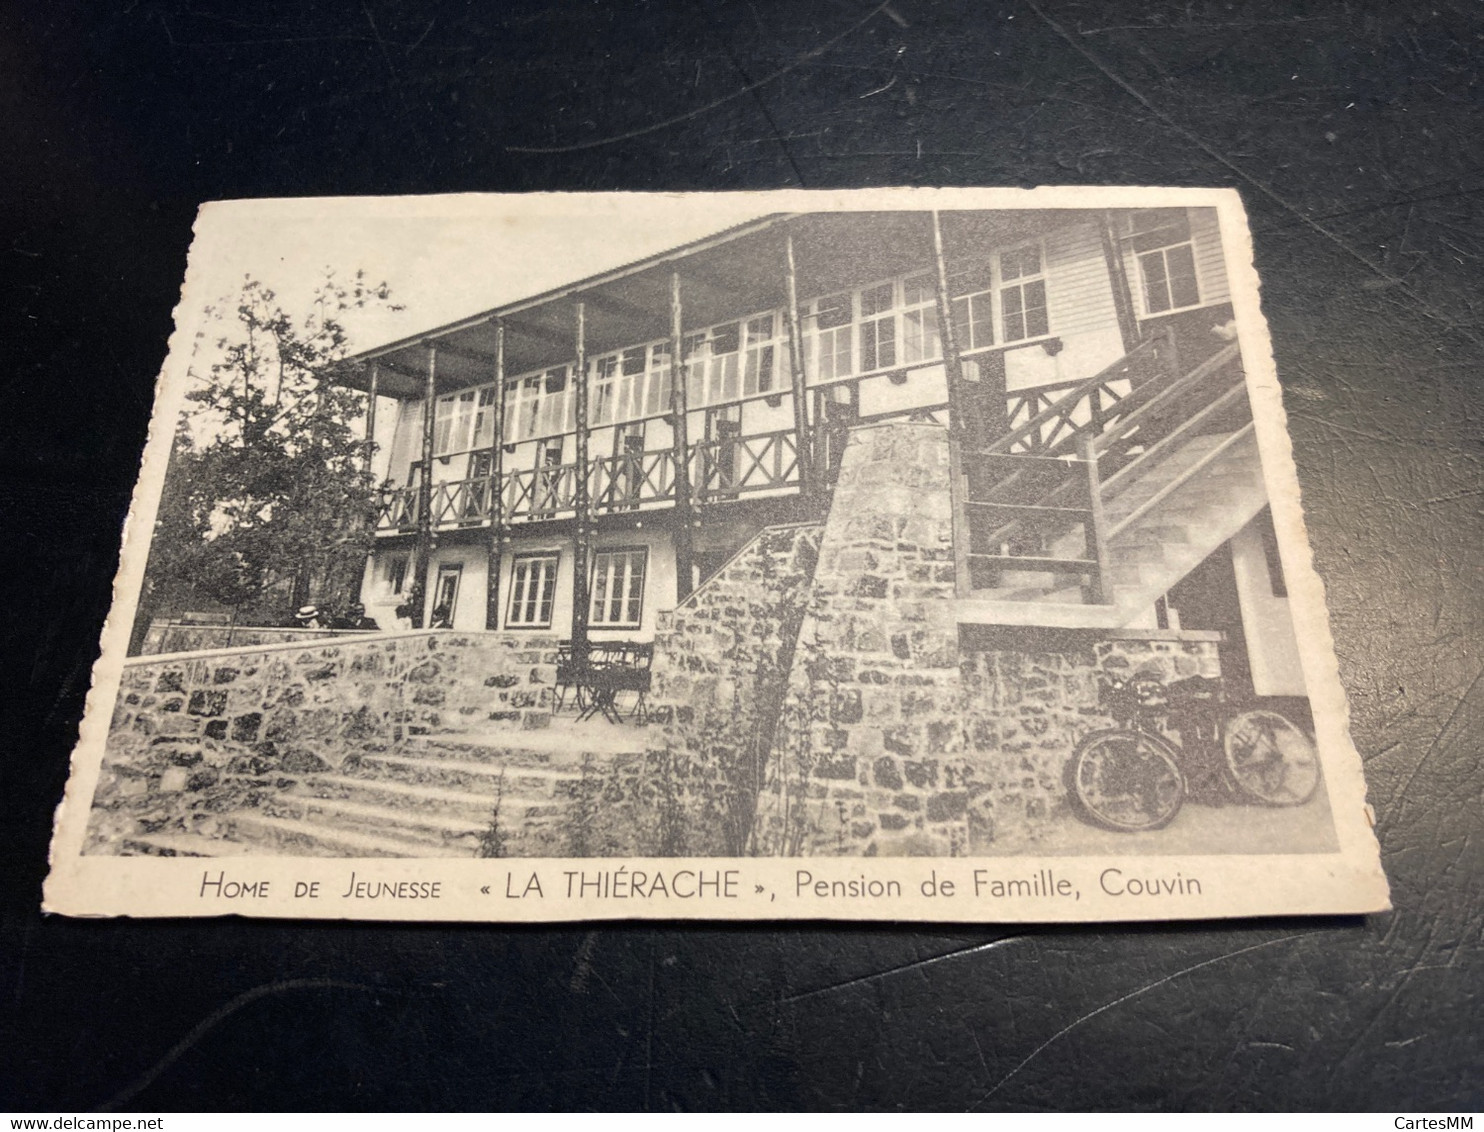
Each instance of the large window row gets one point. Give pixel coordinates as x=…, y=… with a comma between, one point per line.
x=879, y=327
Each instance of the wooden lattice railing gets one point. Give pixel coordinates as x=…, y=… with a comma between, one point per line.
x=1020, y=500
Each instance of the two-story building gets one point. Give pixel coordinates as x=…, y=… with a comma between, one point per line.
x=893, y=495
x=646, y=422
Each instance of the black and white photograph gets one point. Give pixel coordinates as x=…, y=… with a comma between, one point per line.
x=722, y=528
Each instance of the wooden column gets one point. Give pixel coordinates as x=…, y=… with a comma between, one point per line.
x=958, y=432
x=581, y=532
x=1123, y=298
x=422, y=555
x=680, y=449
x=953, y=365
x=803, y=441
x=496, y=543
x=1097, y=525
x=375, y=509
x=371, y=419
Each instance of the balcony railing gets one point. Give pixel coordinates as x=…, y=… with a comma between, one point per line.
x=631, y=481
x=744, y=465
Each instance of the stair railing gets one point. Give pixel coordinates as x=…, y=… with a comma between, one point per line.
x=1131, y=438
x=1062, y=410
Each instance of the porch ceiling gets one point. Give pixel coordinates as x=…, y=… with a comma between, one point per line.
x=725, y=276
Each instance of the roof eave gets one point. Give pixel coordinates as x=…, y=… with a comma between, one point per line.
x=568, y=290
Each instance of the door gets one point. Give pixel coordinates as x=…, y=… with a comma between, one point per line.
x=837, y=410
x=723, y=431
x=478, y=494
x=628, y=466
x=548, y=476
x=445, y=596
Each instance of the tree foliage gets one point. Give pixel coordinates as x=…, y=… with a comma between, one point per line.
x=268, y=499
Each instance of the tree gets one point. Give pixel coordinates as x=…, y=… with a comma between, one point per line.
x=268, y=499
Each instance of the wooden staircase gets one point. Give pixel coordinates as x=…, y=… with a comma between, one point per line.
x=1087, y=513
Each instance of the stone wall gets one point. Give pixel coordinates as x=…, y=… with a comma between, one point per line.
x=721, y=665
x=1029, y=696
x=873, y=697
x=901, y=736
x=178, y=636
x=222, y=725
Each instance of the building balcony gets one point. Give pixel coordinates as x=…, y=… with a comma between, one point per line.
x=719, y=470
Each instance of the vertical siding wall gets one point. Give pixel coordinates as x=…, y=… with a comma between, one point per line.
x=1210, y=262
x=1079, y=301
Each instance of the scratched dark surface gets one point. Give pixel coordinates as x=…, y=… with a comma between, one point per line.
x=1354, y=133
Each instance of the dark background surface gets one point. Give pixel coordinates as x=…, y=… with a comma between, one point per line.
x=1353, y=132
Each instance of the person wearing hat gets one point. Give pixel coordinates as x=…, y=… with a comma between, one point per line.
x=308, y=617
x=355, y=618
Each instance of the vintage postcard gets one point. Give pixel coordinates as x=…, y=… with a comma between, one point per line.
x=889, y=555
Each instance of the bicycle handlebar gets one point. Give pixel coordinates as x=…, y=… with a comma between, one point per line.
x=1148, y=694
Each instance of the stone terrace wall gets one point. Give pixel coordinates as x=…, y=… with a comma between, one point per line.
x=721, y=665
x=176, y=636
x=899, y=738
x=192, y=721
x=1030, y=696
x=873, y=701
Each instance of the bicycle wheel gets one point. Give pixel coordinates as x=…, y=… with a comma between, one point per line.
x=1270, y=759
x=1126, y=780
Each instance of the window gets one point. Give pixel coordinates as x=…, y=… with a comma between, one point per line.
x=722, y=369
x=878, y=328
x=532, y=586
x=446, y=596
x=832, y=338
x=453, y=421
x=657, y=392
x=522, y=404
x=632, y=365
x=604, y=391
x=1023, y=294
x=396, y=574
x=757, y=368
x=697, y=351
x=618, y=588
x=920, y=339
x=557, y=407
x=1162, y=244
x=973, y=309
x=484, y=418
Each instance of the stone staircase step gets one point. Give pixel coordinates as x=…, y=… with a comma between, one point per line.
x=403, y=793
x=401, y=820
x=178, y=845
x=483, y=777
x=296, y=837
x=465, y=750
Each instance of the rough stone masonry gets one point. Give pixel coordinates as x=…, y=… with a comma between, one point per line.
x=900, y=734
x=199, y=734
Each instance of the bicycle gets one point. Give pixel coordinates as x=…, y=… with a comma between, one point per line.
x=1136, y=777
